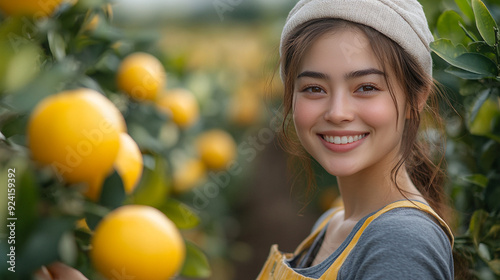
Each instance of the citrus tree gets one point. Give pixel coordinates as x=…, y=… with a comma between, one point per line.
x=100, y=147
x=467, y=57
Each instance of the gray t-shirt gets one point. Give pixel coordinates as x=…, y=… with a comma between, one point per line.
x=403, y=243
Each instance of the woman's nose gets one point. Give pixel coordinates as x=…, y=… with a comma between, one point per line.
x=339, y=109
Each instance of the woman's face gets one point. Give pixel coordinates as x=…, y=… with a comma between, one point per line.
x=343, y=112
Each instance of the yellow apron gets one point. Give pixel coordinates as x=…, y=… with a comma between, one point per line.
x=276, y=267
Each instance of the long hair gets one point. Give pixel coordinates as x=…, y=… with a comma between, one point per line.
x=423, y=164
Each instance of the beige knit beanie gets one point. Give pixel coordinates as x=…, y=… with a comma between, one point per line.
x=403, y=21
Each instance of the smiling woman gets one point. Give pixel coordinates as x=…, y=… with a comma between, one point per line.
x=357, y=77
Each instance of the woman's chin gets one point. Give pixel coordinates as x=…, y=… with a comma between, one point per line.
x=340, y=170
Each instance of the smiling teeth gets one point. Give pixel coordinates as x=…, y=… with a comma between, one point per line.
x=343, y=139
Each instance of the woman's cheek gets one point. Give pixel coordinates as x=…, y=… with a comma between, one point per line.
x=379, y=114
x=304, y=114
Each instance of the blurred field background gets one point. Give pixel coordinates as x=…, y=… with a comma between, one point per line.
x=225, y=53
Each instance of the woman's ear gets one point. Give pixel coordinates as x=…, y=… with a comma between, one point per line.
x=421, y=101
x=422, y=98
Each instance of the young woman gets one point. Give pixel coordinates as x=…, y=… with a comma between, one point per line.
x=357, y=76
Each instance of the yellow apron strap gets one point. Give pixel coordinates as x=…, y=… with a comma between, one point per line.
x=275, y=266
x=332, y=272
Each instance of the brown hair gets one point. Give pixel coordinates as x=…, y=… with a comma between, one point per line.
x=416, y=155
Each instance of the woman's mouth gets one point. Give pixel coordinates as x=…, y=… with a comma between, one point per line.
x=339, y=140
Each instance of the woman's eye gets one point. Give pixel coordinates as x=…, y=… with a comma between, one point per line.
x=314, y=89
x=367, y=88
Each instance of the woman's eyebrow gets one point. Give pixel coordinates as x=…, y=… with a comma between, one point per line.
x=364, y=72
x=348, y=76
x=313, y=74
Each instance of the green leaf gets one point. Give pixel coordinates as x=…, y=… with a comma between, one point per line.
x=94, y=213
x=476, y=224
x=477, y=179
x=484, y=22
x=477, y=63
x=484, y=111
x=489, y=153
x=483, y=252
x=464, y=74
x=480, y=47
x=182, y=216
x=469, y=34
x=57, y=45
x=67, y=248
x=154, y=187
x=42, y=246
x=145, y=122
x=464, y=6
x=448, y=26
x=88, y=82
x=196, y=263
x=445, y=49
x=113, y=192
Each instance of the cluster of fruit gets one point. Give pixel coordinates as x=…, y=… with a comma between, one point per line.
x=81, y=136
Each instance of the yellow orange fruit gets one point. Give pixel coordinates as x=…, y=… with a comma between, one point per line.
x=93, y=187
x=35, y=8
x=141, y=76
x=186, y=176
x=181, y=105
x=128, y=162
x=138, y=242
x=216, y=148
x=77, y=133
x=245, y=108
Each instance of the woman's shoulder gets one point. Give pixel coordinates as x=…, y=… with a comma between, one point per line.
x=406, y=222
x=401, y=241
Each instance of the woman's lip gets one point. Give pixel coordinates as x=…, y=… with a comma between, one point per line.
x=342, y=148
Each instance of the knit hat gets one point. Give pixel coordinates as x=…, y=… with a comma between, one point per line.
x=403, y=21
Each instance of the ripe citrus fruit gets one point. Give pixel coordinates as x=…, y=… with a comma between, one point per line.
x=245, y=108
x=128, y=162
x=181, y=105
x=188, y=175
x=36, y=8
x=138, y=242
x=141, y=76
x=77, y=133
x=216, y=148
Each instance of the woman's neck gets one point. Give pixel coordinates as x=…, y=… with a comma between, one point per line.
x=372, y=189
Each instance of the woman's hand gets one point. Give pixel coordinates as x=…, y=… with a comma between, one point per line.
x=58, y=271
